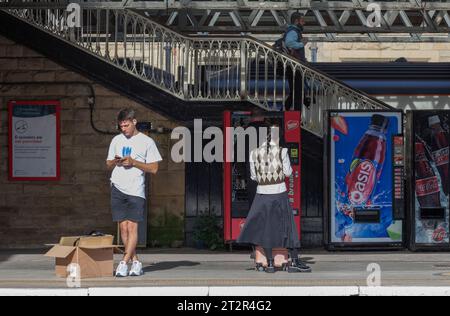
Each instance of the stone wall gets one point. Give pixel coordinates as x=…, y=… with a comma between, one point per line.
x=36, y=213
x=383, y=52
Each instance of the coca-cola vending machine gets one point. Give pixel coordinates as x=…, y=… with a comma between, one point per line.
x=239, y=189
x=364, y=179
x=428, y=178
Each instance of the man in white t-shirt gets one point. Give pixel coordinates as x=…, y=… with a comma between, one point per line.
x=131, y=155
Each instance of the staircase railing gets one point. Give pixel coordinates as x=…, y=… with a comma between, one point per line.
x=200, y=68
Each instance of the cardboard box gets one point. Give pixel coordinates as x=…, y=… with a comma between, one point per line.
x=93, y=255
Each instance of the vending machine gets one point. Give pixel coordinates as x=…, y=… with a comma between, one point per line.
x=239, y=189
x=364, y=179
x=428, y=140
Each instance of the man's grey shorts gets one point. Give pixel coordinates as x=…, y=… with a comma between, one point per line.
x=126, y=207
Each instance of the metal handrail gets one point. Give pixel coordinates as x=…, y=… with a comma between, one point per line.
x=201, y=68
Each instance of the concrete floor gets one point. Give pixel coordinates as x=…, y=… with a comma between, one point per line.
x=187, y=267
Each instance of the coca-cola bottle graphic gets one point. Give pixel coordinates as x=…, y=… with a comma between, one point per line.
x=427, y=185
x=368, y=162
x=440, y=150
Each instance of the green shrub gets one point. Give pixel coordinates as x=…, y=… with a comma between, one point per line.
x=208, y=231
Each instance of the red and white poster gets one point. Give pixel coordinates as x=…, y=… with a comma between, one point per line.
x=34, y=140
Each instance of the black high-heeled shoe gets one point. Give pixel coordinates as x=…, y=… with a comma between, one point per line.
x=270, y=266
x=259, y=267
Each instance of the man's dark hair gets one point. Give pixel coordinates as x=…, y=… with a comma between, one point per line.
x=126, y=115
x=296, y=16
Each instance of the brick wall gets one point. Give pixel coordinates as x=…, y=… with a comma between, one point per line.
x=34, y=214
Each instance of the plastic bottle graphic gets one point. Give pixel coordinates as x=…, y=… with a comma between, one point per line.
x=368, y=162
x=440, y=150
x=427, y=184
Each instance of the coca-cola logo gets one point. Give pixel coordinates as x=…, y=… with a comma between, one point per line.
x=439, y=235
x=293, y=125
x=421, y=157
x=441, y=157
x=361, y=182
x=427, y=186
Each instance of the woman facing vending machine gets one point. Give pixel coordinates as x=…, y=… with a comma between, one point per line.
x=239, y=190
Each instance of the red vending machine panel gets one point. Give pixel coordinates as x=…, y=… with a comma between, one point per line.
x=239, y=189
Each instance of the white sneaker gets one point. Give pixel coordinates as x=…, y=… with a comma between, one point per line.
x=136, y=269
x=122, y=270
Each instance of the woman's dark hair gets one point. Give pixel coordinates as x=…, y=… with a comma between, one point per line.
x=269, y=123
x=269, y=139
x=126, y=115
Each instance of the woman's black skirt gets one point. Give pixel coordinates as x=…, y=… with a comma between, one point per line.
x=270, y=223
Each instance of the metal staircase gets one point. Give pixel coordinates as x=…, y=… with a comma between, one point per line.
x=197, y=69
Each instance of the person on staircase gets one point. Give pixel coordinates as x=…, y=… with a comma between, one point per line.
x=295, y=46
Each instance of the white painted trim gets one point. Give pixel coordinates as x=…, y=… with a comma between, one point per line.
x=239, y=291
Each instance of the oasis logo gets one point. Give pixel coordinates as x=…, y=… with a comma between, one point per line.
x=361, y=182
